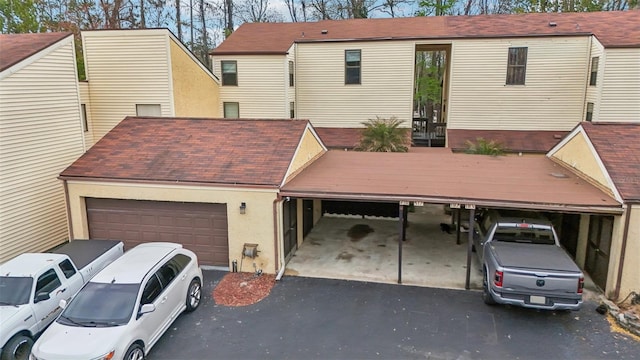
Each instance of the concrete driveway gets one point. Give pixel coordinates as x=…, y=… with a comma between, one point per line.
x=305, y=318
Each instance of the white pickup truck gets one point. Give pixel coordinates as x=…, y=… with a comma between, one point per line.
x=32, y=285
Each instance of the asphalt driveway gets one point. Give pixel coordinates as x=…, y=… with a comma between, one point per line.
x=305, y=318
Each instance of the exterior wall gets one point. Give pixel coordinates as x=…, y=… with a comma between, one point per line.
x=308, y=149
x=255, y=226
x=620, y=101
x=291, y=90
x=83, y=86
x=40, y=135
x=577, y=154
x=594, y=92
x=125, y=68
x=195, y=91
x=386, y=87
x=552, y=99
x=631, y=272
x=262, y=90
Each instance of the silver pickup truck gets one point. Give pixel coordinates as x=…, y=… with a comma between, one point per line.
x=524, y=265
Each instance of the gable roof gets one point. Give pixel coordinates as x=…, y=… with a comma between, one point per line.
x=612, y=28
x=17, y=47
x=215, y=151
x=618, y=146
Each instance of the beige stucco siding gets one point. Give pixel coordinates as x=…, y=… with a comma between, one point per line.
x=255, y=226
x=386, y=87
x=551, y=99
x=308, y=150
x=577, y=154
x=594, y=92
x=261, y=91
x=85, y=99
x=125, y=68
x=195, y=92
x=40, y=135
x=620, y=100
x=631, y=273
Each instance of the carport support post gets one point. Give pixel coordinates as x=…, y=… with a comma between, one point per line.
x=472, y=216
x=400, y=240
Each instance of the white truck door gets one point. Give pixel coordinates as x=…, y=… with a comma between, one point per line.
x=49, y=291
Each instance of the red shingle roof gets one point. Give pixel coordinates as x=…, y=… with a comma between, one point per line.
x=612, y=28
x=17, y=47
x=520, y=181
x=512, y=140
x=218, y=151
x=618, y=146
x=339, y=138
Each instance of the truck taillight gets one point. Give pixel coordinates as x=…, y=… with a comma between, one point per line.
x=497, y=279
x=580, y=285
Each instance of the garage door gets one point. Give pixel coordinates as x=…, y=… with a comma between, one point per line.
x=201, y=228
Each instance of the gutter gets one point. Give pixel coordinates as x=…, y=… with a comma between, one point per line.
x=279, y=254
x=625, y=237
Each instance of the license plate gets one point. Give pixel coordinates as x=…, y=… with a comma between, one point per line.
x=537, y=299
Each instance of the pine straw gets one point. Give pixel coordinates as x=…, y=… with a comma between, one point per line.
x=242, y=289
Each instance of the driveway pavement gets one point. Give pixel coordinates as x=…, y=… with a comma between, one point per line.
x=306, y=318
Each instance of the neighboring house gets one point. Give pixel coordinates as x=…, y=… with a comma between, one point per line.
x=146, y=72
x=529, y=78
x=608, y=155
x=40, y=135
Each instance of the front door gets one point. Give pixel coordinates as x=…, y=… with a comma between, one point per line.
x=598, y=246
x=290, y=226
x=307, y=217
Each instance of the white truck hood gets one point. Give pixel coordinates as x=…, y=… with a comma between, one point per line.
x=62, y=342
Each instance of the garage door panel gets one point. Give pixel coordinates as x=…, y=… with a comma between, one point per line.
x=201, y=228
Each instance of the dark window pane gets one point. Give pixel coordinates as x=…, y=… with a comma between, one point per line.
x=352, y=67
x=516, y=66
x=67, y=268
x=48, y=282
x=594, y=71
x=229, y=72
x=151, y=290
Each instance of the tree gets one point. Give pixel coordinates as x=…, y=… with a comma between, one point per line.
x=19, y=16
x=258, y=11
x=384, y=135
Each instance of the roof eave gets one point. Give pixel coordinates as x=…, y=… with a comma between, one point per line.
x=166, y=182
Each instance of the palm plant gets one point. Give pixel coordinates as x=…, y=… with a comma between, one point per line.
x=485, y=147
x=384, y=135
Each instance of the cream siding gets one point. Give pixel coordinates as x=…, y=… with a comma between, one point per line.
x=594, y=92
x=261, y=91
x=125, y=68
x=40, y=135
x=83, y=86
x=255, y=226
x=551, y=99
x=195, y=91
x=386, y=87
x=620, y=101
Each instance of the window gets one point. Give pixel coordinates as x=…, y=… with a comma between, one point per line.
x=517, y=66
x=231, y=110
x=292, y=110
x=352, y=66
x=148, y=110
x=67, y=268
x=47, y=282
x=589, y=115
x=83, y=114
x=593, y=79
x=152, y=289
x=291, y=74
x=229, y=72
x=172, y=268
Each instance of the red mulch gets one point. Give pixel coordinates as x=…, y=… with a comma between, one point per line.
x=242, y=289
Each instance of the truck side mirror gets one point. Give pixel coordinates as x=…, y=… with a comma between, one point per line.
x=41, y=296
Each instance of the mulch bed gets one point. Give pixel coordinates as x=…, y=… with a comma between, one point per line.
x=242, y=289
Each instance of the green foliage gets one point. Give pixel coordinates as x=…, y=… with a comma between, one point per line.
x=484, y=147
x=435, y=7
x=18, y=16
x=384, y=135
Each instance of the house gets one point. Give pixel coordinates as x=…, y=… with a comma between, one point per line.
x=40, y=135
x=143, y=72
x=608, y=155
x=523, y=79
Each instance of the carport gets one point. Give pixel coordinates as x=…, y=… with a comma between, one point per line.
x=437, y=176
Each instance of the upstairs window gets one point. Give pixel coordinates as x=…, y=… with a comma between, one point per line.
x=229, y=73
x=231, y=110
x=516, y=66
x=83, y=115
x=148, y=110
x=593, y=79
x=292, y=110
x=589, y=114
x=352, y=67
x=291, y=74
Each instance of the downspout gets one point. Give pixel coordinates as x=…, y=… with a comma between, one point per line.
x=66, y=200
x=276, y=239
x=625, y=236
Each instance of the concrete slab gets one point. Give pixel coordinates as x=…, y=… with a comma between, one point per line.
x=430, y=257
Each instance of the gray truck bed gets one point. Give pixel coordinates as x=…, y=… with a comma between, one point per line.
x=83, y=252
x=533, y=256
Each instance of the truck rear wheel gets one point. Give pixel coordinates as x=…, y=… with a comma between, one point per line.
x=17, y=348
x=486, y=294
